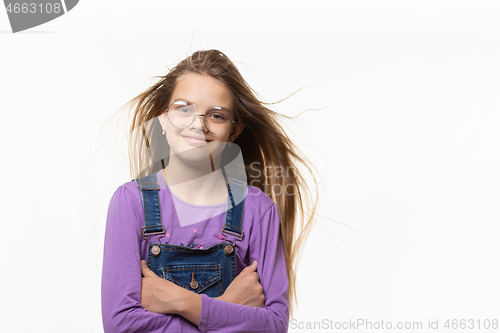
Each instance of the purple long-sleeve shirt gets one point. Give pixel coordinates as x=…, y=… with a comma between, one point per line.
x=124, y=247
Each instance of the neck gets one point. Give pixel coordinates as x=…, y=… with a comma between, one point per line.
x=198, y=185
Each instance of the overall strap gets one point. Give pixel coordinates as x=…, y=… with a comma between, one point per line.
x=151, y=205
x=234, y=212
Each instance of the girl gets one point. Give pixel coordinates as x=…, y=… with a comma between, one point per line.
x=189, y=246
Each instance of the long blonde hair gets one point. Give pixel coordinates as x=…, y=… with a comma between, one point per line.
x=271, y=160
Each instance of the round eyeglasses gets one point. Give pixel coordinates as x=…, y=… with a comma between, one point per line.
x=181, y=114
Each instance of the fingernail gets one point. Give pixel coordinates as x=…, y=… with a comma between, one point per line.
x=143, y=263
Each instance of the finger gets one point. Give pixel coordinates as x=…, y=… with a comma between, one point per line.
x=145, y=269
x=253, y=266
x=249, y=269
x=253, y=277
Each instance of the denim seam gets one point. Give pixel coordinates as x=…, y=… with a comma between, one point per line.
x=211, y=281
x=187, y=267
x=187, y=250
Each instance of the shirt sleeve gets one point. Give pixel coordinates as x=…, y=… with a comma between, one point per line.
x=121, y=274
x=265, y=246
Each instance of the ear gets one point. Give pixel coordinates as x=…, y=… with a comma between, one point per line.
x=162, y=119
x=236, y=130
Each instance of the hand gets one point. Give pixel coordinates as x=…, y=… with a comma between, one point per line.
x=157, y=294
x=245, y=288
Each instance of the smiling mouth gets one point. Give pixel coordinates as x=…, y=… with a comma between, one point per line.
x=194, y=139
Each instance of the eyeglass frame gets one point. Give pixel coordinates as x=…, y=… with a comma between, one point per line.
x=201, y=114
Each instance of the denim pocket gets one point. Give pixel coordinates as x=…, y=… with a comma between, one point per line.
x=199, y=278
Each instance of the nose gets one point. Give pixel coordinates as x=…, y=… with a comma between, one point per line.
x=199, y=122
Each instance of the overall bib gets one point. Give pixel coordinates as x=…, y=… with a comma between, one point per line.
x=208, y=271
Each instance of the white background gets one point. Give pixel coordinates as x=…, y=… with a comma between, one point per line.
x=405, y=138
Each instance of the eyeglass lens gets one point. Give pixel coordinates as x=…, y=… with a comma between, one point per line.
x=217, y=119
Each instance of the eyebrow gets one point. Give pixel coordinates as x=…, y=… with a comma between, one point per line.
x=182, y=100
x=190, y=103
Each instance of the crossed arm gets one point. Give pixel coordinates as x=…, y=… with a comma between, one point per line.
x=135, y=302
x=162, y=296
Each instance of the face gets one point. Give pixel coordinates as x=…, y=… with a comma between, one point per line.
x=195, y=140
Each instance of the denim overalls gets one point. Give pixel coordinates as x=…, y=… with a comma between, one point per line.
x=208, y=271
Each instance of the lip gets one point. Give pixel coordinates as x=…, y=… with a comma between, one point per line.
x=195, y=139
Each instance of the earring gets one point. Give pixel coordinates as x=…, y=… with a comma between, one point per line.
x=163, y=132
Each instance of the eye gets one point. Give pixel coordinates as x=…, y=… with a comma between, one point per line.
x=217, y=116
x=184, y=109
